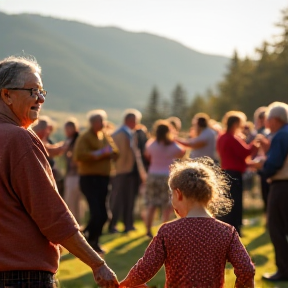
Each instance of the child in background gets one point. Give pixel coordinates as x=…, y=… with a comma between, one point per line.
x=196, y=247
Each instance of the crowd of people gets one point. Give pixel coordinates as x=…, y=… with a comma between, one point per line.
x=198, y=175
x=130, y=156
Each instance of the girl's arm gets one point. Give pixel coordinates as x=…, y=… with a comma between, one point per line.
x=148, y=265
x=243, y=267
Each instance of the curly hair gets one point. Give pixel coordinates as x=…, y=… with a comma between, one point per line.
x=204, y=181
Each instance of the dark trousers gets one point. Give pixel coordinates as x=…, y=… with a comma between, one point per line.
x=95, y=189
x=265, y=186
x=27, y=279
x=124, y=191
x=234, y=218
x=278, y=223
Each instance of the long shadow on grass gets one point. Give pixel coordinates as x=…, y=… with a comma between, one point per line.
x=125, y=255
x=259, y=260
x=85, y=281
x=119, y=261
x=267, y=284
x=109, y=237
x=66, y=257
x=261, y=240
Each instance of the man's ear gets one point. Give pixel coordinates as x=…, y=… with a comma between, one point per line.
x=5, y=96
x=179, y=195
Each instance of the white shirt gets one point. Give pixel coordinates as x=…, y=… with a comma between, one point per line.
x=209, y=136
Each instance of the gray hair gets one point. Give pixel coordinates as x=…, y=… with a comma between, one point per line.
x=134, y=112
x=99, y=113
x=13, y=71
x=278, y=110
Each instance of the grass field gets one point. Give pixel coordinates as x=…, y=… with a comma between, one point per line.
x=123, y=250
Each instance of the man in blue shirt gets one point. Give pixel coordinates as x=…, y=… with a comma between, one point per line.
x=276, y=170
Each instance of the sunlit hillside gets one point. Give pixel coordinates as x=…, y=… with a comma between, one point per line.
x=86, y=67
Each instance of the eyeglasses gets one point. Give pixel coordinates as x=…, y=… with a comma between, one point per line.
x=35, y=92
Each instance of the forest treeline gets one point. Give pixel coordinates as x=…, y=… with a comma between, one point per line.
x=247, y=85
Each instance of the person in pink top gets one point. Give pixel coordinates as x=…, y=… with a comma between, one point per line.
x=160, y=151
x=195, y=248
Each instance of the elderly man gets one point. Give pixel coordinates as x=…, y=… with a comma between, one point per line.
x=276, y=169
x=34, y=219
x=93, y=151
x=126, y=182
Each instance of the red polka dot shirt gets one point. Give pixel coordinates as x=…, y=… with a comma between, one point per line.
x=194, y=252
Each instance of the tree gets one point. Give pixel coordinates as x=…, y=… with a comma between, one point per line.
x=197, y=105
x=164, y=108
x=247, y=85
x=179, y=105
x=151, y=112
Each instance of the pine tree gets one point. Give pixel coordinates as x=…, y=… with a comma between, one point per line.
x=179, y=105
x=151, y=112
x=164, y=109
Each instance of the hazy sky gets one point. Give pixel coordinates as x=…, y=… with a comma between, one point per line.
x=209, y=26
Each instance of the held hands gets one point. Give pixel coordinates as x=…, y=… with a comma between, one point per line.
x=256, y=163
x=263, y=142
x=105, y=277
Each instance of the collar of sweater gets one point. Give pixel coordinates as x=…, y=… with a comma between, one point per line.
x=7, y=116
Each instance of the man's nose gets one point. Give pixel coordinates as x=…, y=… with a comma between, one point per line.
x=40, y=98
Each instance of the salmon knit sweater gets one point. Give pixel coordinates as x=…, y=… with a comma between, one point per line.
x=33, y=216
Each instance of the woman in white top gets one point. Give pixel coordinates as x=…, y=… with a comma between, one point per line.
x=160, y=151
x=203, y=142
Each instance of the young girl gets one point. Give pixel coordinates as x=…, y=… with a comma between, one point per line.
x=195, y=248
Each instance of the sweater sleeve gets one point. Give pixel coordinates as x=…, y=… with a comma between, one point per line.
x=276, y=155
x=241, y=149
x=149, y=264
x=82, y=150
x=203, y=137
x=112, y=144
x=243, y=267
x=34, y=185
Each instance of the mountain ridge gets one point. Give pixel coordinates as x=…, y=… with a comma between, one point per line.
x=86, y=66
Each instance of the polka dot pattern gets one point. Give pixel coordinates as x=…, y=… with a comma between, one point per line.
x=194, y=252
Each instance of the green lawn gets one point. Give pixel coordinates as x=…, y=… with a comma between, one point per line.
x=123, y=250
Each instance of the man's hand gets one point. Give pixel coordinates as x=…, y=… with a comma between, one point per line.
x=105, y=277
